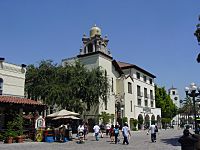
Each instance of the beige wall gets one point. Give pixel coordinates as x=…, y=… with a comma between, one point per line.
x=13, y=79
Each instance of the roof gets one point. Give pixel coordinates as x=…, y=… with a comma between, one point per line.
x=18, y=100
x=124, y=65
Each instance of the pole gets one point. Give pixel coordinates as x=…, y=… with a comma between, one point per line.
x=195, y=115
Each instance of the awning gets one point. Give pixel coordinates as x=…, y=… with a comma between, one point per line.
x=66, y=117
x=63, y=112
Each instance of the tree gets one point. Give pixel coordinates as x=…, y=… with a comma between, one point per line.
x=163, y=100
x=105, y=117
x=69, y=87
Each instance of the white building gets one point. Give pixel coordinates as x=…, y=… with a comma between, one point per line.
x=12, y=79
x=173, y=93
x=132, y=93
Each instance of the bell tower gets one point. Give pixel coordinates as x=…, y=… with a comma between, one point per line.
x=94, y=43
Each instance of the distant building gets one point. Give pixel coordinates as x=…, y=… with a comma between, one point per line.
x=12, y=83
x=12, y=79
x=132, y=92
x=174, y=95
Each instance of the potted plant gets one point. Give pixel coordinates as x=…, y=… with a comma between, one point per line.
x=18, y=121
x=10, y=133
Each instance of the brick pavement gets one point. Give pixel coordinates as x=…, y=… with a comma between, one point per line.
x=167, y=140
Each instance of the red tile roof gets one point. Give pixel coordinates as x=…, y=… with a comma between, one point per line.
x=18, y=100
x=124, y=65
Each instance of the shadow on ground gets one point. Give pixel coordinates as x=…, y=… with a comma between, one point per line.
x=171, y=141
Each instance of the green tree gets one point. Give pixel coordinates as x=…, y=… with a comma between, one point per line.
x=105, y=117
x=163, y=101
x=70, y=87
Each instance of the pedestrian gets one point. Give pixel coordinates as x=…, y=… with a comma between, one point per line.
x=112, y=135
x=153, y=128
x=126, y=133
x=85, y=130
x=81, y=133
x=107, y=128
x=96, y=129
x=116, y=133
x=187, y=141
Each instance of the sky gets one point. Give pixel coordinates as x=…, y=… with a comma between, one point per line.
x=155, y=35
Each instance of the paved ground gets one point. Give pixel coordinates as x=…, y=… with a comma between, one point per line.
x=166, y=140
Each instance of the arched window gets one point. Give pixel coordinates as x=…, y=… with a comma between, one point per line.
x=1, y=86
x=90, y=48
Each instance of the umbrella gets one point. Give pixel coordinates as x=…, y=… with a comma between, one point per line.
x=66, y=117
x=63, y=112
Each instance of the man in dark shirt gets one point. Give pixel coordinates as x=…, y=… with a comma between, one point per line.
x=187, y=141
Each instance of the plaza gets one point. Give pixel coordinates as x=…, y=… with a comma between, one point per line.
x=166, y=139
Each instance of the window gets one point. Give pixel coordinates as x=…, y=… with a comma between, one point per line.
x=129, y=87
x=151, y=103
x=145, y=78
x=138, y=75
x=173, y=92
x=146, y=102
x=150, y=81
x=145, y=92
x=1, y=86
x=90, y=48
x=112, y=86
x=131, y=103
x=139, y=102
x=151, y=94
x=138, y=91
x=106, y=106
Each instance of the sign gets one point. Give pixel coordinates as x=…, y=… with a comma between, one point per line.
x=146, y=109
x=39, y=123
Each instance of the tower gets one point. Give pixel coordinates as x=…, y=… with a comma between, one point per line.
x=94, y=43
x=173, y=93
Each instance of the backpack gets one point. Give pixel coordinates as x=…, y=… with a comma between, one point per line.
x=156, y=129
x=116, y=131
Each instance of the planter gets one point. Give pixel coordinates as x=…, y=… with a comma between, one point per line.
x=20, y=139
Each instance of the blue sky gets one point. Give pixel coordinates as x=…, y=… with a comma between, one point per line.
x=155, y=35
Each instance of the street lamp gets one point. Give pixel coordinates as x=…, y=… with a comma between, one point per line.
x=192, y=92
x=122, y=111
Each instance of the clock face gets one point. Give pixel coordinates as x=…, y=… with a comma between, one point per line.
x=175, y=98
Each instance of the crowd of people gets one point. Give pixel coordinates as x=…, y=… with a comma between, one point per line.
x=112, y=131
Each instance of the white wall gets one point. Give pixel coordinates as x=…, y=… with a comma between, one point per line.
x=13, y=79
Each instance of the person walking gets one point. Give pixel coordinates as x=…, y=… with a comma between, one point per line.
x=126, y=133
x=187, y=141
x=111, y=132
x=108, y=126
x=81, y=133
x=85, y=130
x=153, y=128
x=116, y=133
x=96, y=129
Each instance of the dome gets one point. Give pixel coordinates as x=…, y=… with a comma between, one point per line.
x=95, y=31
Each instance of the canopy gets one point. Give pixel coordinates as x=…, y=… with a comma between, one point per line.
x=62, y=113
x=66, y=117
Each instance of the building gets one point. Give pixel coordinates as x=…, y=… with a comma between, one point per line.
x=173, y=93
x=132, y=93
x=12, y=82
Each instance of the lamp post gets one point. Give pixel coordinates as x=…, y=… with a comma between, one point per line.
x=122, y=111
x=192, y=92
